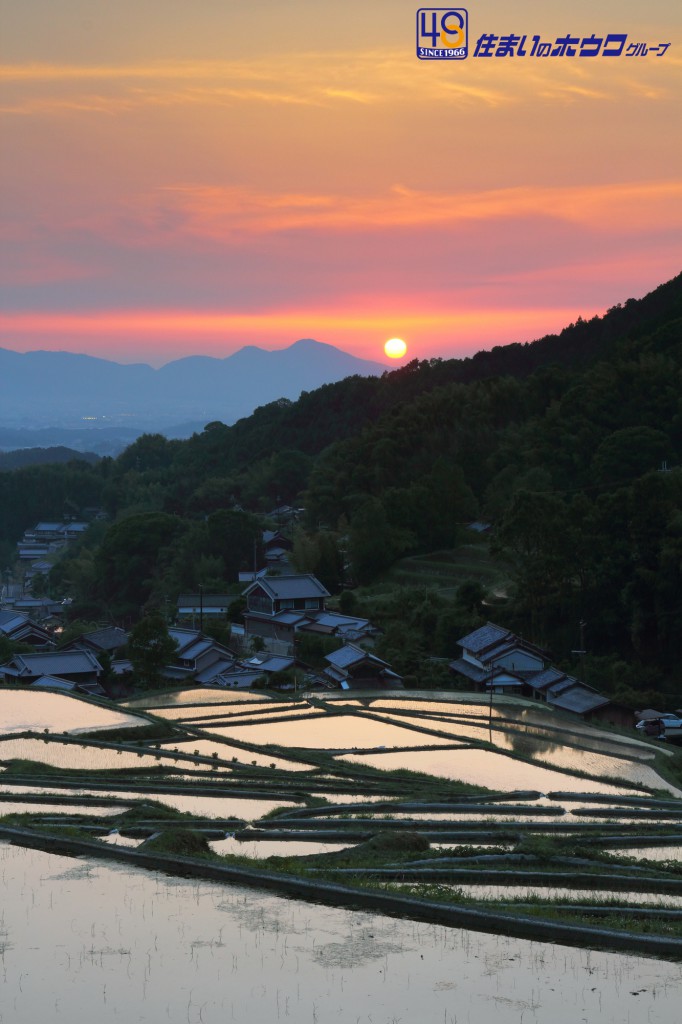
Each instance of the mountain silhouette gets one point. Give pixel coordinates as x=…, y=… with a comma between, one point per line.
x=45, y=388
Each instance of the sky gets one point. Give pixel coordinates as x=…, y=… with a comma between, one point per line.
x=191, y=176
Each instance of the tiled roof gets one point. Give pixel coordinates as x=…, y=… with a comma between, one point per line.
x=57, y=663
x=54, y=683
x=289, y=617
x=484, y=637
x=184, y=637
x=195, y=650
x=274, y=663
x=510, y=644
x=216, y=669
x=578, y=699
x=338, y=621
x=107, y=639
x=465, y=668
x=9, y=621
x=290, y=587
x=546, y=678
x=349, y=655
x=345, y=656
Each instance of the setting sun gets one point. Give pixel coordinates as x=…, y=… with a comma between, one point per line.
x=395, y=348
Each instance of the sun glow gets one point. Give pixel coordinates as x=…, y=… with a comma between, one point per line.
x=395, y=348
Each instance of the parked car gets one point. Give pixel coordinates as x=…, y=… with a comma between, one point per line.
x=665, y=727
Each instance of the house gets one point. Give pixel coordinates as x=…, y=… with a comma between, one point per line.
x=276, y=550
x=197, y=655
x=37, y=568
x=352, y=668
x=32, y=551
x=277, y=605
x=42, y=608
x=274, y=541
x=68, y=686
x=566, y=693
x=213, y=606
x=108, y=639
x=284, y=513
x=269, y=595
x=78, y=666
x=54, y=683
x=492, y=655
x=45, y=531
x=268, y=663
x=495, y=659
x=72, y=530
x=19, y=629
x=346, y=627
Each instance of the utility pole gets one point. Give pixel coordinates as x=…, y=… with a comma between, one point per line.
x=489, y=677
x=581, y=652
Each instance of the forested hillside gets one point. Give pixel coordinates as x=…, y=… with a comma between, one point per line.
x=561, y=444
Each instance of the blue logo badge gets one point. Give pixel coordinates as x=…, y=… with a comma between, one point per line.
x=442, y=33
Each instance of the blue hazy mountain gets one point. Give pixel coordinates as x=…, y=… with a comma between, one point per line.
x=40, y=389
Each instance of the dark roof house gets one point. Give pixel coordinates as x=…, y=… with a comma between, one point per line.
x=78, y=666
x=18, y=628
x=352, y=668
x=277, y=605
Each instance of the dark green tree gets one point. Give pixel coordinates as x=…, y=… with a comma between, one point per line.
x=150, y=648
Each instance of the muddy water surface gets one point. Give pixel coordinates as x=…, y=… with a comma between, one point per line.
x=86, y=941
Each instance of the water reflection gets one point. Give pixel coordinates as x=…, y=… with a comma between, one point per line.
x=98, y=941
x=485, y=768
x=24, y=710
x=535, y=720
x=261, y=849
x=225, y=752
x=198, y=695
x=553, y=753
x=335, y=732
x=80, y=756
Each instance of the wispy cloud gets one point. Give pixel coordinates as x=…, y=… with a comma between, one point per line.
x=225, y=213
x=378, y=78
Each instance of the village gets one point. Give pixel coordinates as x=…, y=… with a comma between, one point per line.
x=281, y=609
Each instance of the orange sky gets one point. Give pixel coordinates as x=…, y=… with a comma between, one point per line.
x=187, y=176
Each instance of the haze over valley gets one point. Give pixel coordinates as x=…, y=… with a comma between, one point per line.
x=92, y=404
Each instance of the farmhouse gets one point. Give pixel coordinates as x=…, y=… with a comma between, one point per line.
x=276, y=606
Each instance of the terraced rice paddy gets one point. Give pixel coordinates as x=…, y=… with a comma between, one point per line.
x=139, y=945
x=36, y=710
x=387, y=795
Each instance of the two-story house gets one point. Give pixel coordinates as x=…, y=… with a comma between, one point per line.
x=276, y=606
x=494, y=657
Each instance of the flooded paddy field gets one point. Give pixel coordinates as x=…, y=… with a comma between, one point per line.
x=333, y=732
x=37, y=710
x=306, y=778
x=225, y=752
x=84, y=937
x=197, y=696
x=73, y=755
x=483, y=768
x=237, y=713
x=262, y=849
x=53, y=808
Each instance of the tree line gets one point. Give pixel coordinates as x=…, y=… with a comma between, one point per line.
x=569, y=446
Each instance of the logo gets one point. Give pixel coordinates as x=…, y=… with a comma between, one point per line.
x=442, y=33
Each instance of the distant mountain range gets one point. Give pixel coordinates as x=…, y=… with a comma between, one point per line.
x=41, y=389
